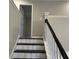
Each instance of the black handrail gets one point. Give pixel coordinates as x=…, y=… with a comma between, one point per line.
x=61, y=49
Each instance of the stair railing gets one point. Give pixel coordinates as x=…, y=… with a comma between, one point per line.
x=57, y=43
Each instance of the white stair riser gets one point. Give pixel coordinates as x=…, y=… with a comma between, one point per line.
x=30, y=41
x=29, y=55
x=29, y=47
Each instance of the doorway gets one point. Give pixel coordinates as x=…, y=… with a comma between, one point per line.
x=26, y=19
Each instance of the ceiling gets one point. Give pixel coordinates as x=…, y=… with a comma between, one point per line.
x=51, y=0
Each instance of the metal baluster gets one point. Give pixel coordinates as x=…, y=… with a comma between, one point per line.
x=54, y=49
x=60, y=55
x=57, y=51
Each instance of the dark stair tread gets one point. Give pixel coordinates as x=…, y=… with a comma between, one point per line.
x=30, y=38
x=30, y=44
x=29, y=51
x=28, y=58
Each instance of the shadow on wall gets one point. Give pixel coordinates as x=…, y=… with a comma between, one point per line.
x=13, y=25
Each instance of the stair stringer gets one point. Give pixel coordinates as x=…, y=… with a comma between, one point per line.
x=14, y=47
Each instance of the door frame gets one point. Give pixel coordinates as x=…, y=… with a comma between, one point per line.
x=31, y=16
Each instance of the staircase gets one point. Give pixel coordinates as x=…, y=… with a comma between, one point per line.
x=29, y=48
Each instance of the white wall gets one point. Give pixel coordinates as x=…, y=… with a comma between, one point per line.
x=60, y=25
x=54, y=7
x=13, y=25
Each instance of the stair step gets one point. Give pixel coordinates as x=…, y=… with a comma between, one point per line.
x=29, y=51
x=31, y=41
x=29, y=47
x=28, y=58
x=29, y=55
x=30, y=44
